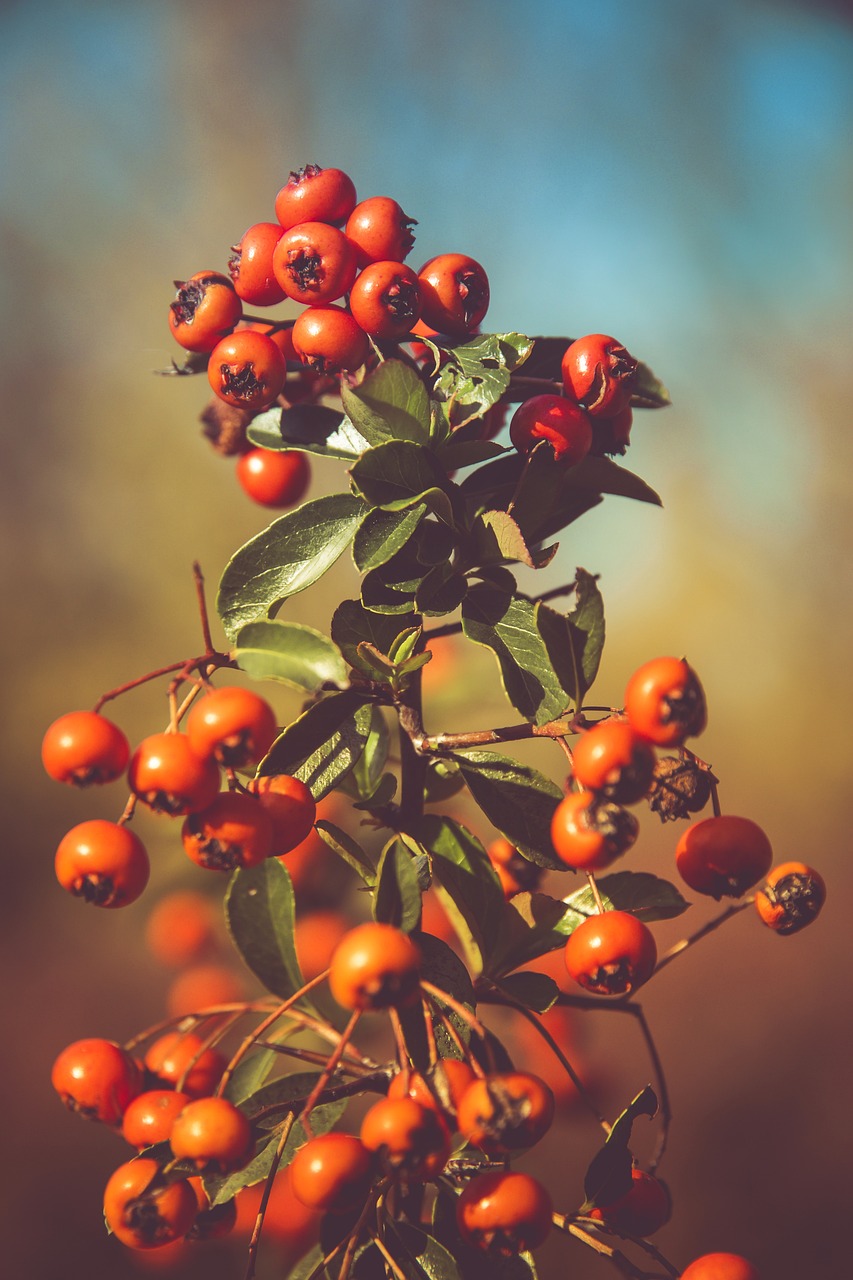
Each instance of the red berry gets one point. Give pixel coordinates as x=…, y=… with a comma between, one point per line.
x=145, y=1212
x=83, y=747
x=515, y=872
x=454, y=293
x=409, y=1139
x=150, y=1117
x=97, y=1079
x=103, y=863
x=598, y=373
x=588, y=833
x=665, y=703
x=274, y=477
x=315, y=263
x=331, y=1173
x=385, y=300
x=167, y=775
x=641, y=1211
x=329, y=339
x=213, y=1134
x=506, y=1111
x=375, y=967
x=723, y=856
x=380, y=230
x=247, y=370
x=313, y=194
x=611, y=954
x=612, y=760
x=251, y=268
x=234, y=831
x=234, y=725
x=720, y=1266
x=553, y=418
x=504, y=1213
x=291, y=807
x=205, y=309
x=790, y=898
x=178, y=1058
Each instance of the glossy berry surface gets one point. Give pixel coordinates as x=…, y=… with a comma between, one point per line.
x=720, y=1266
x=504, y=1213
x=553, y=418
x=385, y=300
x=313, y=194
x=97, y=1079
x=234, y=725
x=150, y=1117
x=515, y=872
x=598, y=373
x=251, y=268
x=454, y=293
x=290, y=806
x=790, y=898
x=723, y=856
x=234, y=831
x=380, y=230
x=331, y=1172
x=611, y=954
x=588, y=833
x=506, y=1111
x=103, y=863
x=441, y=1088
x=612, y=760
x=84, y=747
x=375, y=967
x=247, y=370
x=179, y=1059
x=665, y=703
x=315, y=263
x=168, y=776
x=205, y=309
x=408, y=1139
x=144, y=1212
x=276, y=478
x=329, y=339
x=213, y=1134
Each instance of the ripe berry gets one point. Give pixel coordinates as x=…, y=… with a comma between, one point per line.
x=234, y=831
x=103, y=863
x=380, y=230
x=791, y=897
x=454, y=293
x=205, y=309
x=313, y=194
x=83, y=747
x=515, y=872
x=723, y=856
x=611, y=760
x=641, y=1211
x=442, y=1088
x=287, y=1222
x=375, y=967
x=234, y=725
x=182, y=928
x=329, y=339
x=665, y=703
x=274, y=477
x=553, y=418
x=409, y=1139
x=97, y=1079
x=178, y=1059
x=247, y=370
x=331, y=1173
x=598, y=373
x=144, y=1212
x=506, y=1111
x=720, y=1266
x=611, y=953
x=504, y=1213
x=213, y=1134
x=315, y=263
x=385, y=300
x=588, y=833
x=290, y=805
x=251, y=268
x=150, y=1117
x=167, y=775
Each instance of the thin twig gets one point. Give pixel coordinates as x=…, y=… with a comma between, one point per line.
x=734, y=910
x=262, y=1208
x=267, y=1022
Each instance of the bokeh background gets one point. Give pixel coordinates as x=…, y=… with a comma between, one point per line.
x=678, y=174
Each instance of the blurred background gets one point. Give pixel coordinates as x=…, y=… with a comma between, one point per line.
x=676, y=174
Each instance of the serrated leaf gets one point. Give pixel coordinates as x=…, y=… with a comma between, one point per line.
x=259, y=912
x=535, y=991
x=508, y=625
x=352, y=623
x=644, y=895
x=390, y=404
x=478, y=372
x=399, y=474
x=472, y=891
x=516, y=799
x=345, y=847
x=398, y=896
x=382, y=534
x=288, y=556
x=311, y=428
x=291, y=653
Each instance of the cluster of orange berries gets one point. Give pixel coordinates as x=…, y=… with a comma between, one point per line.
x=177, y=774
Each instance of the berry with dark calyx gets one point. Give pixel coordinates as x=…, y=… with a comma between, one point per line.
x=612, y=760
x=312, y=194
x=251, y=268
x=145, y=1212
x=167, y=775
x=408, y=1139
x=180, y=1059
x=561, y=422
x=380, y=230
x=454, y=293
x=720, y=1266
x=506, y=1111
x=315, y=263
x=790, y=898
x=665, y=703
x=274, y=477
x=102, y=862
x=97, y=1079
x=150, y=1117
x=598, y=373
x=589, y=833
x=84, y=747
x=205, y=309
x=385, y=300
x=679, y=787
x=375, y=967
x=441, y=1088
x=330, y=339
x=234, y=831
x=212, y=1222
x=291, y=807
x=212, y=1134
x=641, y=1211
x=611, y=954
x=234, y=725
x=504, y=1213
x=516, y=873
x=247, y=370
x=331, y=1172
x=723, y=856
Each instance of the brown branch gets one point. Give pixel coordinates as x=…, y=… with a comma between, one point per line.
x=680, y=947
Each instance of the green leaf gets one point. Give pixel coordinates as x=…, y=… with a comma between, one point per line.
x=434, y=543
x=338, y=733
x=498, y=538
x=311, y=428
x=367, y=771
x=352, y=623
x=455, y=454
x=390, y=404
x=516, y=799
x=291, y=653
x=249, y=1075
x=442, y=967
x=382, y=534
x=537, y=490
x=393, y=597
x=419, y=1253
x=646, y=896
x=398, y=895
x=345, y=847
x=533, y=925
x=608, y=1177
x=473, y=895
x=574, y=641
x=441, y=591
x=648, y=392
x=399, y=475
x=478, y=372
x=259, y=911
x=508, y=626
x=535, y=991
x=288, y=556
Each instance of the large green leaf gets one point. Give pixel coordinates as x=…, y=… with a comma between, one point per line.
x=311, y=428
x=574, y=641
x=259, y=910
x=366, y=774
x=348, y=849
x=441, y=591
x=390, y=404
x=498, y=538
x=419, y=1254
x=645, y=895
x=472, y=891
x=516, y=799
x=537, y=490
x=288, y=556
x=323, y=744
x=398, y=896
x=400, y=474
x=353, y=624
x=382, y=534
x=291, y=653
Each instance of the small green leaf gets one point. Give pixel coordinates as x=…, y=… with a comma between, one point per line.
x=291, y=653
x=367, y=771
x=345, y=847
x=400, y=474
x=398, y=895
x=259, y=911
x=288, y=556
x=478, y=372
x=442, y=967
x=390, y=404
x=382, y=534
x=646, y=896
x=339, y=733
x=574, y=641
x=352, y=623
x=379, y=596
x=498, y=538
x=419, y=1253
x=440, y=592
x=647, y=391
x=311, y=428
x=455, y=454
x=249, y=1075
x=535, y=991
x=516, y=799
x=473, y=894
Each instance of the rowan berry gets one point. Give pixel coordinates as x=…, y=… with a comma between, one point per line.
x=454, y=293
x=233, y=831
x=143, y=1211
x=315, y=937
x=553, y=418
x=665, y=703
x=180, y=1059
x=504, y=1213
x=291, y=807
x=506, y=1111
x=515, y=872
x=313, y=194
x=315, y=263
x=380, y=230
x=598, y=373
x=723, y=856
x=97, y=1079
x=642, y=1211
x=182, y=928
x=409, y=1139
x=247, y=370
x=329, y=339
x=790, y=898
x=203, y=986
x=150, y=1117
x=276, y=478
x=441, y=1088
x=83, y=747
x=385, y=300
x=213, y=1221
x=205, y=309
x=331, y=1172
x=213, y=1134
x=168, y=776
x=588, y=833
x=612, y=760
x=375, y=967
x=103, y=863
x=720, y=1266
x=251, y=268
x=611, y=954
x=235, y=726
